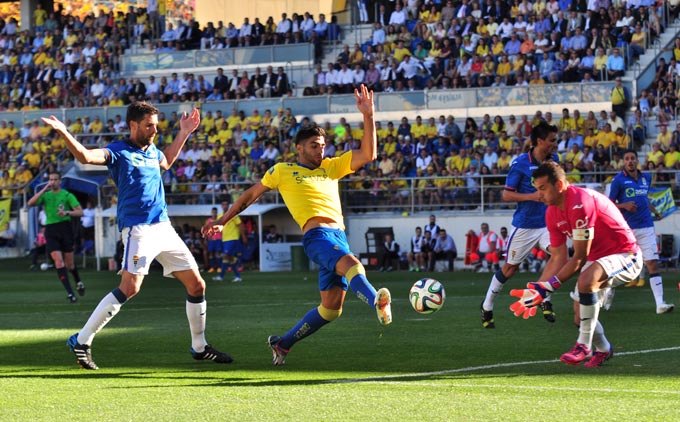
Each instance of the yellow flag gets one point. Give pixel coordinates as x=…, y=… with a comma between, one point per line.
x=4, y=211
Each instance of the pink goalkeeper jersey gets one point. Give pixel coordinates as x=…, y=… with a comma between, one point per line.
x=590, y=215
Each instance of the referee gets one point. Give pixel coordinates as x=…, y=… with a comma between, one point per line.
x=60, y=205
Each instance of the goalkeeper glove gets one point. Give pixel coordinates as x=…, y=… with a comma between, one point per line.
x=526, y=305
x=545, y=287
x=532, y=296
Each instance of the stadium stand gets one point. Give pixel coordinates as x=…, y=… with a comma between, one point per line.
x=73, y=64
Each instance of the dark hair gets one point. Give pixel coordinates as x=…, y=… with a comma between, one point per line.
x=551, y=169
x=541, y=131
x=309, y=131
x=138, y=110
x=630, y=151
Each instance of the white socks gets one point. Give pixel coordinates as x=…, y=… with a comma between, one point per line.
x=108, y=308
x=656, y=283
x=196, y=316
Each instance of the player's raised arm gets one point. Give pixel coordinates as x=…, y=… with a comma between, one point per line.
x=188, y=123
x=82, y=154
x=248, y=197
x=369, y=145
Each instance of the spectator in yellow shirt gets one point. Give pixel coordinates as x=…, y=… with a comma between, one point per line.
x=33, y=159
x=664, y=137
x=380, y=132
x=606, y=137
x=566, y=122
x=22, y=176
x=622, y=140
x=400, y=52
x=96, y=126
x=418, y=129
x=208, y=121
x=224, y=134
x=655, y=156
x=255, y=120
x=358, y=132
x=574, y=156
x=504, y=161
x=671, y=157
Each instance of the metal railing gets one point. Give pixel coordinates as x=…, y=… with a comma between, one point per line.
x=471, y=193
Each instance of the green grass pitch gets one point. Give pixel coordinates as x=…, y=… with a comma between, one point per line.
x=444, y=366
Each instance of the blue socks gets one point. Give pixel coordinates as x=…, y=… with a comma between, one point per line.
x=309, y=324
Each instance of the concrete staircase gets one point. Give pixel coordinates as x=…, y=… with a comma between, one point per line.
x=650, y=56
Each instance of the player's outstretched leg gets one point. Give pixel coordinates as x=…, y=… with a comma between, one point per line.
x=383, y=306
x=278, y=353
x=381, y=300
x=81, y=342
x=308, y=325
x=83, y=353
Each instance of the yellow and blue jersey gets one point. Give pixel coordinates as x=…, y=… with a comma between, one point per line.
x=232, y=230
x=310, y=192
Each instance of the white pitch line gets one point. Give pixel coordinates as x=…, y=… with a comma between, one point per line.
x=482, y=367
x=528, y=387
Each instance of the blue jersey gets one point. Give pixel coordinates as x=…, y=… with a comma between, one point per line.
x=626, y=189
x=528, y=214
x=141, y=197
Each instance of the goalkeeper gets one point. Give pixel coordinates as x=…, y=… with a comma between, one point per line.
x=605, y=251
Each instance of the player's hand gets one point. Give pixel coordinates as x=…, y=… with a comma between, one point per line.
x=210, y=229
x=189, y=122
x=54, y=123
x=544, y=288
x=526, y=304
x=364, y=99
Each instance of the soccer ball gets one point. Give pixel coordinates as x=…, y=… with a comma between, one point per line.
x=44, y=266
x=427, y=295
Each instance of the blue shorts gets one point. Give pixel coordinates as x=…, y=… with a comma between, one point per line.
x=232, y=248
x=214, y=246
x=325, y=247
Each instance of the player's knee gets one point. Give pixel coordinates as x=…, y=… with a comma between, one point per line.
x=329, y=314
x=129, y=290
x=196, y=288
x=354, y=270
x=509, y=270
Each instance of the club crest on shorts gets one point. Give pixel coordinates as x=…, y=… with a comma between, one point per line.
x=138, y=261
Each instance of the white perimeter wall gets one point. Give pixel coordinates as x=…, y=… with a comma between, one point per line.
x=456, y=226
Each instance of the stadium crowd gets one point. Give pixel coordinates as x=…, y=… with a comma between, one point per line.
x=76, y=64
x=463, y=44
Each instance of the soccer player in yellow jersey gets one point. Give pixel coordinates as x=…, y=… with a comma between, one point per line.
x=233, y=239
x=310, y=190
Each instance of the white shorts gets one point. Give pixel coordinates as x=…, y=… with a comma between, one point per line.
x=521, y=241
x=646, y=239
x=621, y=269
x=146, y=242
